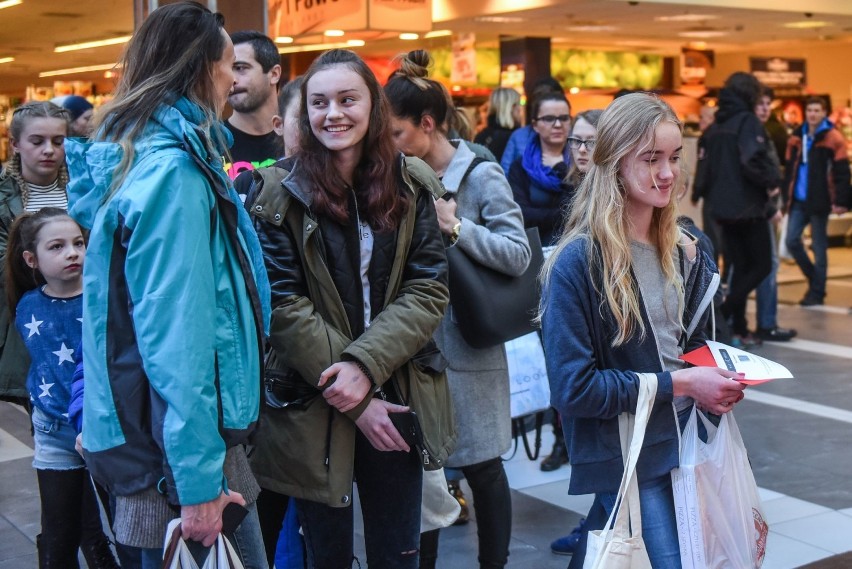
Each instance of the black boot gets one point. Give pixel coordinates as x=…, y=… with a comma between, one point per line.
x=557, y=458
x=99, y=555
x=52, y=555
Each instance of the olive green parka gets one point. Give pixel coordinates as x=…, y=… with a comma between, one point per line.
x=308, y=452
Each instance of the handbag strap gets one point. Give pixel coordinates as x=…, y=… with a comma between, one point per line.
x=519, y=431
x=631, y=428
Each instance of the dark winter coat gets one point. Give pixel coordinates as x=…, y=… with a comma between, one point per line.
x=14, y=359
x=317, y=320
x=734, y=169
x=541, y=208
x=494, y=137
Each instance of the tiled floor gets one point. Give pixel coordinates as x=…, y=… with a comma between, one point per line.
x=798, y=433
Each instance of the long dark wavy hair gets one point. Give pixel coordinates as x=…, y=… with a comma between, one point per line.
x=381, y=200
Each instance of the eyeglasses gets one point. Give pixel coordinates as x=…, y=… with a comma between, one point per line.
x=576, y=143
x=551, y=119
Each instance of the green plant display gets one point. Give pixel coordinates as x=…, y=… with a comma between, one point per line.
x=605, y=69
x=571, y=67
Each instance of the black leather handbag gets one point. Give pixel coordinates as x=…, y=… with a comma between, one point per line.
x=491, y=307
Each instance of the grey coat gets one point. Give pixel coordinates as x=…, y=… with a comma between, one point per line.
x=492, y=233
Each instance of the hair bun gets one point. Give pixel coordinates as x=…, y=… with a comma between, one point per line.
x=415, y=64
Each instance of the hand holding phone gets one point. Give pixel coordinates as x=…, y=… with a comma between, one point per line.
x=408, y=426
x=232, y=516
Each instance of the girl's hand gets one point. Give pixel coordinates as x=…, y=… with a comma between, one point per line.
x=714, y=389
x=446, y=210
x=78, y=444
x=378, y=428
x=350, y=387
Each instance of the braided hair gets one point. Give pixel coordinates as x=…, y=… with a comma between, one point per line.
x=20, y=118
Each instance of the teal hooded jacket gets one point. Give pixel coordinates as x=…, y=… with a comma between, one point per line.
x=176, y=305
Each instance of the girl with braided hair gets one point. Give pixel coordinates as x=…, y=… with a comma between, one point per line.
x=34, y=178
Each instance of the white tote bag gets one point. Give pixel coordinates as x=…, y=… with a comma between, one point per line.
x=719, y=516
x=176, y=554
x=439, y=509
x=529, y=389
x=619, y=545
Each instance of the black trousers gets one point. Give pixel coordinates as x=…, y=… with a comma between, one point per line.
x=492, y=503
x=748, y=248
x=70, y=516
x=390, y=491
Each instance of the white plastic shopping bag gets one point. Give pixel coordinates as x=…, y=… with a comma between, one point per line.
x=529, y=391
x=720, y=520
x=176, y=554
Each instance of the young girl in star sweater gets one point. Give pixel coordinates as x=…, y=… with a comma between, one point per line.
x=44, y=285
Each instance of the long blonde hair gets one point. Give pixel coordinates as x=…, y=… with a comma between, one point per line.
x=598, y=212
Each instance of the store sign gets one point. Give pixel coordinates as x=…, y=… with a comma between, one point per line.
x=694, y=64
x=463, y=70
x=403, y=15
x=299, y=17
x=779, y=72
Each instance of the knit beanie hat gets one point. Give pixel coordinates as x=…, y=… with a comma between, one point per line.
x=76, y=105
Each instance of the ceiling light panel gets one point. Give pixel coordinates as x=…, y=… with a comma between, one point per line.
x=686, y=18
x=807, y=24
x=92, y=44
x=73, y=70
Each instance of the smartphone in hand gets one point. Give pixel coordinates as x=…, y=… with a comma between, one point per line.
x=232, y=516
x=408, y=425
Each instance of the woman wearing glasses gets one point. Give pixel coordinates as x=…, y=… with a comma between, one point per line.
x=584, y=131
x=538, y=177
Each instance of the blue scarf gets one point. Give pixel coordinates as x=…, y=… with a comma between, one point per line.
x=245, y=229
x=541, y=175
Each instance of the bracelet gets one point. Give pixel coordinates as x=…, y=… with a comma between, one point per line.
x=365, y=371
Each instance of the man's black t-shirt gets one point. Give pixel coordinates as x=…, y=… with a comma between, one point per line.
x=252, y=151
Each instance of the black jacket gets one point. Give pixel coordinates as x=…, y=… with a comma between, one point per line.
x=541, y=208
x=734, y=169
x=494, y=137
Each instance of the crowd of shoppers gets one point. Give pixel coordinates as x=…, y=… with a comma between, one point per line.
x=307, y=316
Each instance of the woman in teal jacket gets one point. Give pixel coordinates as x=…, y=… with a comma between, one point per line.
x=176, y=296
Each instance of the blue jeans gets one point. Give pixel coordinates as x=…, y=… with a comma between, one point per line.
x=659, y=526
x=815, y=271
x=390, y=487
x=767, y=291
x=246, y=540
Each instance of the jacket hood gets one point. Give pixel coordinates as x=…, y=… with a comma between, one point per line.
x=730, y=104
x=92, y=165
x=457, y=168
x=802, y=129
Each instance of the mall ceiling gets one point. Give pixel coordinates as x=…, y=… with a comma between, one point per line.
x=30, y=31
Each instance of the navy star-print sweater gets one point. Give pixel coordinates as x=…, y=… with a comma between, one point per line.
x=52, y=329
